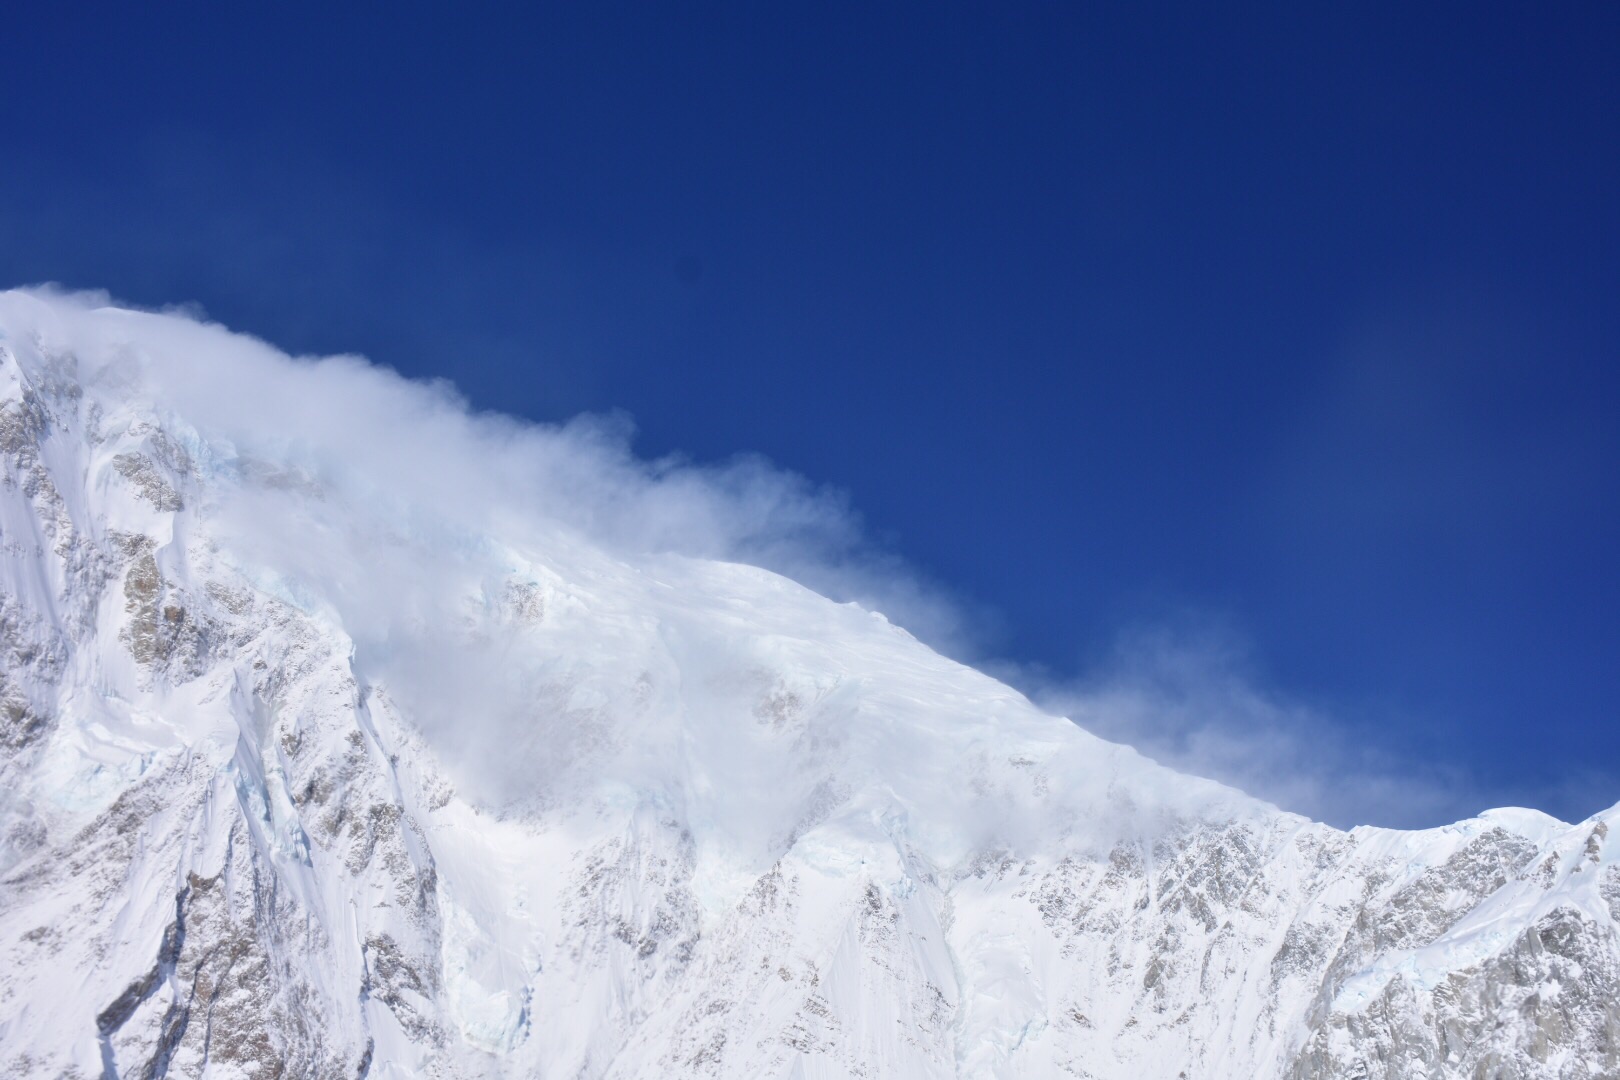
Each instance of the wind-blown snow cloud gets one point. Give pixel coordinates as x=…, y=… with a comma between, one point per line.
x=1187, y=694
x=396, y=512
x=415, y=483
x=362, y=427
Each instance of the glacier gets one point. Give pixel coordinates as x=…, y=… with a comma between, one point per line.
x=321, y=759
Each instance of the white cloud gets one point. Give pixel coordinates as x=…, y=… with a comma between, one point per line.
x=415, y=476
x=361, y=426
x=394, y=503
x=1186, y=694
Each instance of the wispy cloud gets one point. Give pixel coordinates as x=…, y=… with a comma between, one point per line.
x=1188, y=693
x=362, y=426
x=401, y=514
x=417, y=472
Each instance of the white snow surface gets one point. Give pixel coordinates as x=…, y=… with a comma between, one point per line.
x=347, y=734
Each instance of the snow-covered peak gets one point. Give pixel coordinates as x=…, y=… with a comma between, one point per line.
x=346, y=732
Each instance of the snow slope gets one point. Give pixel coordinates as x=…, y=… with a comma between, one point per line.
x=315, y=761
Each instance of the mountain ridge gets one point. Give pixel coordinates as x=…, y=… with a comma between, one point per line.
x=315, y=771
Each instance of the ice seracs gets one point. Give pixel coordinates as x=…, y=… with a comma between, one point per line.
x=323, y=754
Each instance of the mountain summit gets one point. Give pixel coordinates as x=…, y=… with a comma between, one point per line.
x=345, y=734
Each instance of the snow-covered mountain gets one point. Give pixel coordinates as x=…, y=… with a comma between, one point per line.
x=326, y=759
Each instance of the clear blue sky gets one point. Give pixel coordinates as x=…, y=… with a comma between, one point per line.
x=1306, y=321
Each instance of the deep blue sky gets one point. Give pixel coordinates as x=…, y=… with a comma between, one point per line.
x=1306, y=322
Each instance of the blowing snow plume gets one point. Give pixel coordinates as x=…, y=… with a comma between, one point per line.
x=382, y=498
x=405, y=513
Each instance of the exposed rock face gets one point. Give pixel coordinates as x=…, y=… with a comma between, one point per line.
x=739, y=830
